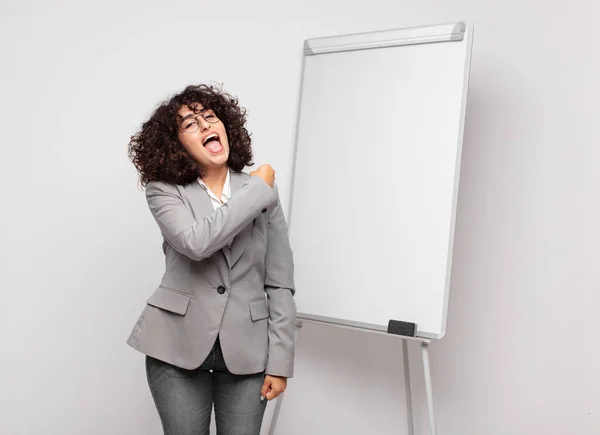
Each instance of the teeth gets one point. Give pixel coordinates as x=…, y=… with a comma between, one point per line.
x=209, y=136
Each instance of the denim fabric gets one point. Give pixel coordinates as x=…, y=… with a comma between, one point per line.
x=184, y=398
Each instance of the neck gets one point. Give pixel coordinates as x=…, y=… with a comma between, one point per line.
x=214, y=179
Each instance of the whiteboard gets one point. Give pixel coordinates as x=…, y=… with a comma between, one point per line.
x=375, y=176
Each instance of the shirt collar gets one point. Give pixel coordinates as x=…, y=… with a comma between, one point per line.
x=226, y=189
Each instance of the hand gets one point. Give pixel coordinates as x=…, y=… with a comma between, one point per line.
x=266, y=172
x=273, y=387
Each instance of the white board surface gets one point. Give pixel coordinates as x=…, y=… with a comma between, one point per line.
x=375, y=184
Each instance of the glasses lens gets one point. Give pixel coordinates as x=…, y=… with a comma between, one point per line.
x=189, y=126
x=210, y=116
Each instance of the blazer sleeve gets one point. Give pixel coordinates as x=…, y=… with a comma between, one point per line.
x=199, y=239
x=279, y=286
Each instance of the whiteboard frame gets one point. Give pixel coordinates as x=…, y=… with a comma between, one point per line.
x=461, y=31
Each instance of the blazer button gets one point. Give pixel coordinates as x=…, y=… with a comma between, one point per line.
x=220, y=289
x=264, y=210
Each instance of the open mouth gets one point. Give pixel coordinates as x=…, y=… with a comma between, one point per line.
x=212, y=143
x=211, y=138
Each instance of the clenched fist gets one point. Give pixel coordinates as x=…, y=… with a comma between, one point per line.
x=273, y=387
x=266, y=172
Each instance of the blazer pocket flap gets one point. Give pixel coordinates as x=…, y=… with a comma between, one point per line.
x=169, y=300
x=258, y=309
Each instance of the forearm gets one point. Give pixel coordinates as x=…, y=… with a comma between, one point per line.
x=199, y=239
x=282, y=332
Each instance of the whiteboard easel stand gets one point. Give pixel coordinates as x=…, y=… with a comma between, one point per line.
x=425, y=342
x=448, y=32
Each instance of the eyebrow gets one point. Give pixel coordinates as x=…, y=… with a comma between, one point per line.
x=189, y=115
x=192, y=114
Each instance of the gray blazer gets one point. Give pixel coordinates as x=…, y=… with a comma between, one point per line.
x=210, y=289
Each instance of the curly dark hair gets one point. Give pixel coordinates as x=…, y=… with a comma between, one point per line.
x=156, y=151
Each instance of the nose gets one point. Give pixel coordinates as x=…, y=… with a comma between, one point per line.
x=204, y=124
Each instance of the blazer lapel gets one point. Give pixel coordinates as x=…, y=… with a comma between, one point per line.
x=202, y=206
x=241, y=240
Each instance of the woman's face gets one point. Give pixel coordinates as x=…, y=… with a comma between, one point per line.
x=203, y=136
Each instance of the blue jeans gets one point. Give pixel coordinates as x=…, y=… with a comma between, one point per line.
x=184, y=398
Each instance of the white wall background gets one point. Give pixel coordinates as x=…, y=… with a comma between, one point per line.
x=80, y=252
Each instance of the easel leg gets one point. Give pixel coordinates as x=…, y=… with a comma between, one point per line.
x=428, y=387
x=407, y=389
x=275, y=417
x=276, y=414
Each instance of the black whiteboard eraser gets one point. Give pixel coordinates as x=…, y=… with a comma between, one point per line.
x=399, y=327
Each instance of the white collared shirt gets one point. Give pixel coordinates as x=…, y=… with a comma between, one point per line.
x=218, y=202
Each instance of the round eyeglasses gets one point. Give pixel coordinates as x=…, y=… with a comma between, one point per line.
x=190, y=124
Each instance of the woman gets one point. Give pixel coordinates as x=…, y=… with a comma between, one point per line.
x=220, y=327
